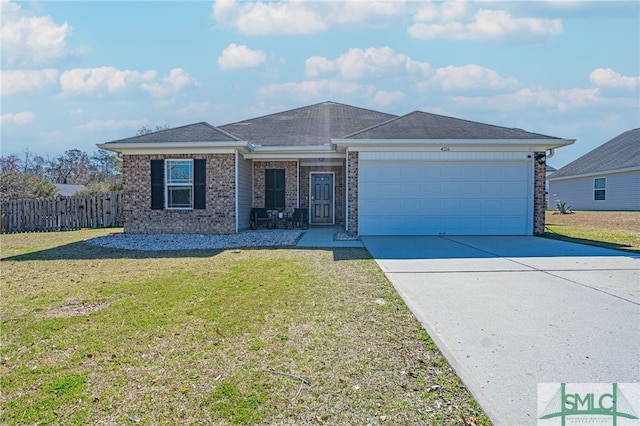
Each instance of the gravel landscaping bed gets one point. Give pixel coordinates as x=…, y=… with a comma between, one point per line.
x=153, y=242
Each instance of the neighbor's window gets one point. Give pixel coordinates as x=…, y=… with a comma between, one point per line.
x=179, y=184
x=599, y=189
x=274, y=188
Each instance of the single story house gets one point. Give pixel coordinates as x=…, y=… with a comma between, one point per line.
x=606, y=178
x=371, y=172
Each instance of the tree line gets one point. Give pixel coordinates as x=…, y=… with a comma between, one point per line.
x=34, y=176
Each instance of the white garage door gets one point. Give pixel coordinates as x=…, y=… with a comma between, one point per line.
x=452, y=198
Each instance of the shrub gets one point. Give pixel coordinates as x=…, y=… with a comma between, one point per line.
x=563, y=208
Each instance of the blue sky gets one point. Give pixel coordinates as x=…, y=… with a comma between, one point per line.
x=79, y=73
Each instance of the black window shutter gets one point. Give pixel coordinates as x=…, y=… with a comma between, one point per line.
x=199, y=183
x=274, y=188
x=157, y=184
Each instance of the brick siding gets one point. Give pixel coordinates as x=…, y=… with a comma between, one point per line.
x=539, y=196
x=352, y=196
x=218, y=218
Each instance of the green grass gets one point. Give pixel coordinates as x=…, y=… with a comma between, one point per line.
x=615, y=230
x=103, y=336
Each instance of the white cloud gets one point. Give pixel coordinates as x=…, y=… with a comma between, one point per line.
x=456, y=20
x=312, y=89
x=468, y=77
x=87, y=80
x=194, y=109
x=356, y=64
x=606, y=77
x=258, y=18
x=526, y=99
x=383, y=99
x=177, y=80
x=92, y=80
x=25, y=81
x=19, y=119
x=31, y=40
x=236, y=57
x=100, y=125
x=303, y=17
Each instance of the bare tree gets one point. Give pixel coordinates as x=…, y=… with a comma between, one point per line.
x=144, y=130
x=70, y=168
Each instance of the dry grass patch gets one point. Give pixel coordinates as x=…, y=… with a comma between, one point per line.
x=286, y=336
x=618, y=230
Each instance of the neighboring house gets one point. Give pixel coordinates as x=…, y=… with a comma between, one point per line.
x=67, y=190
x=550, y=171
x=371, y=172
x=607, y=178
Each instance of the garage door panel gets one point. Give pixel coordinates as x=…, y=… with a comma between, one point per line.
x=513, y=207
x=411, y=207
x=431, y=190
x=369, y=174
x=474, y=190
x=431, y=207
x=431, y=174
x=412, y=190
x=412, y=173
x=427, y=198
x=451, y=189
x=392, y=174
x=512, y=189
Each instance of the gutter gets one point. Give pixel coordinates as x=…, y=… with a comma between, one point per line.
x=595, y=173
x=535, y=144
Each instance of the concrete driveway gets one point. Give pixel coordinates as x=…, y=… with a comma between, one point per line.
x=511, y=312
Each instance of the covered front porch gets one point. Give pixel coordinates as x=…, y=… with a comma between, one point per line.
x=287, y=185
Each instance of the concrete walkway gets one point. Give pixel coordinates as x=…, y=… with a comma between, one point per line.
x=511, y=312
x=324, y=236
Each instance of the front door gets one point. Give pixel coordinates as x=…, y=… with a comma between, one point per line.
x=322, y=205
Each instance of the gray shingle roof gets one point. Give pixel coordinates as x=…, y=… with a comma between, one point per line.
x=198, y=132
x=423, y=125
x=311, y=125
x=621, y=152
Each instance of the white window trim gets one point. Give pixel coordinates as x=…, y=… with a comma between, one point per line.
x=167, y=184
x=600, y=189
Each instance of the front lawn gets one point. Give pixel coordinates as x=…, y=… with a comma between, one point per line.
x=287, y=336
x=617, y=230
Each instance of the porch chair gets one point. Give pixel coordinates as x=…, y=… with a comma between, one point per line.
x=260, y=215
x=299, y=217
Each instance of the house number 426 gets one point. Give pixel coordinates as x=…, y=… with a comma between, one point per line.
x=445, y=148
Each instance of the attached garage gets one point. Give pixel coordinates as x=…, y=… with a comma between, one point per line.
x=433, y=193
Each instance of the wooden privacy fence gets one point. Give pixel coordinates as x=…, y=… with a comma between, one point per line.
x=61, y=213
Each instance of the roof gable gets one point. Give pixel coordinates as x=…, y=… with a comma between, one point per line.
x=311, y=125
x=621, y=152
x=422, y=125
x=198, y=132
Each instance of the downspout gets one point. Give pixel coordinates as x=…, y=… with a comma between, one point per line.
x=551, y=153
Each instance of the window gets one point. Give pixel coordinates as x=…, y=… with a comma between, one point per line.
x=599, y=189
x=179, y=182
x=274, y=189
